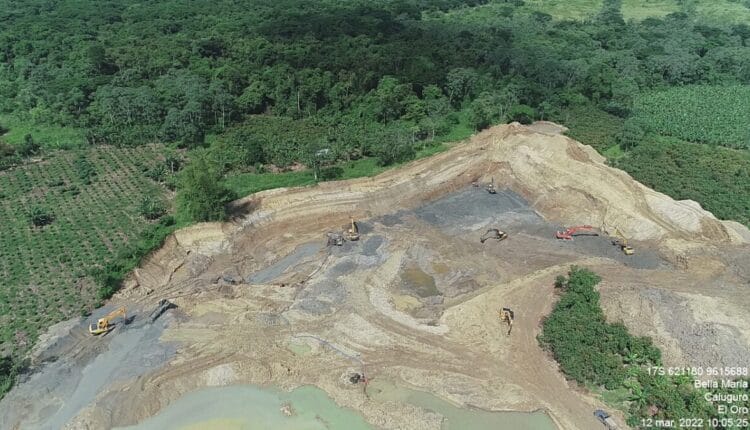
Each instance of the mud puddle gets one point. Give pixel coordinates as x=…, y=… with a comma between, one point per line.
x=249, y=407
x=460, y=418
x=415, y=279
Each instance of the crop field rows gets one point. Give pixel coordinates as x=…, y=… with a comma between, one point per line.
x=716, y=115
x=44, y=269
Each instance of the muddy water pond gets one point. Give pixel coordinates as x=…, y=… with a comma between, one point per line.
x=249, y=407
x=415, y=279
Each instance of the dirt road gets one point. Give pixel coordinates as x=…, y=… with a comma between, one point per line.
x=416, y=298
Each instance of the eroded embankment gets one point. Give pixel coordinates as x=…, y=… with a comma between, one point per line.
x=415, y=299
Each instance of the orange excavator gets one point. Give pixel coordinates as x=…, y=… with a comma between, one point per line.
x=569, y=232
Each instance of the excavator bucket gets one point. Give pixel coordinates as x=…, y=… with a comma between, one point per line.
x=493, y=233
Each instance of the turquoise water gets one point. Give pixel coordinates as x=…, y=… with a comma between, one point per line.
x=249, y=407
x=455, y=417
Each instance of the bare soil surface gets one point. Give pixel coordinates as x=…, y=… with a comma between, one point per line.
x=415, y=301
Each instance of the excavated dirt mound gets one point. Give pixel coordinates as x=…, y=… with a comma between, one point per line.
x=261, y=300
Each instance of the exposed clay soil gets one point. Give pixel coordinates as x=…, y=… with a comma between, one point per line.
x=416, y=298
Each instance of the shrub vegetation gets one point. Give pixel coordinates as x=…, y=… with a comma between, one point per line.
x=596, y=353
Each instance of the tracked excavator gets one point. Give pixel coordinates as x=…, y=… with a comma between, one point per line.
x=352, y=233
x=622, y=243
x=506, y=316
x=493, y=233
x=105, y=324
x=491, y=187
x=570, y=232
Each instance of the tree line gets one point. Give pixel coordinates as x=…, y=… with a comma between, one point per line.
x=134, y=72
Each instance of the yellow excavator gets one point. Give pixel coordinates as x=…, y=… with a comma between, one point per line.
x=506, y=316
x=622, y=243
x=491, y=187
x=105, y=324
x=352, y=233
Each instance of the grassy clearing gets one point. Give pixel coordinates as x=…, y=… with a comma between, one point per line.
x=579, y=9
x=717, y=115
x=722, y=11
x=582, y=9
x=48, y=136
x=460, y=131
x=243, y=184
x=718, y=11
x=93, y=198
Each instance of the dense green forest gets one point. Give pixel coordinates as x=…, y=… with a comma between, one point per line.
x=157, y=113
x=604, y=356
x=131, y=73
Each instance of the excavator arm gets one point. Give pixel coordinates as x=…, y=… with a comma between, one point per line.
x=103, y=325
x=352, y=233
x=569, y=232
x=507, y=316
x=622, y=242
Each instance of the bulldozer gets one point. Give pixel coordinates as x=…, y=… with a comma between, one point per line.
x=352, y=233
x=491, y=187
x=105, y=324
x=506, y=316
x=493, y=233
x=622, y=243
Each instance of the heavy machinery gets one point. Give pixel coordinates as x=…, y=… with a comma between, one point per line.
x=622, y=243
x=163, y=306
x=352, y=233
x=335, y=239
x=105, y=324
x=491, y=187
x=506, y=316
x=605, y=419
x=569, y=232
x=493, y=233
